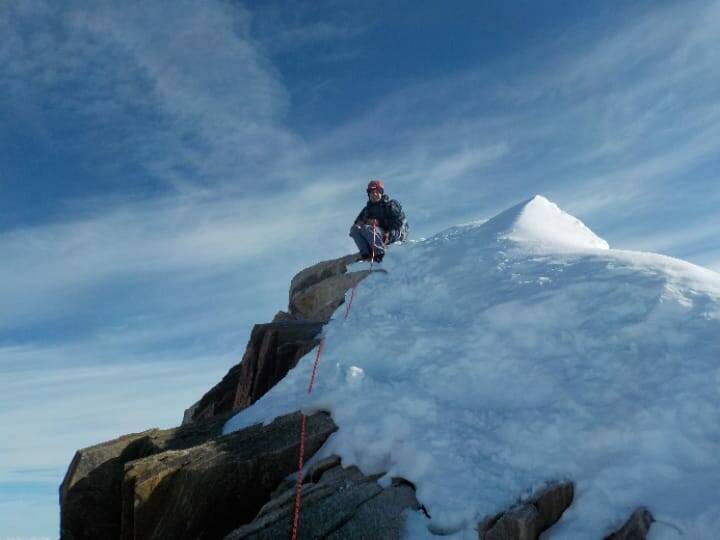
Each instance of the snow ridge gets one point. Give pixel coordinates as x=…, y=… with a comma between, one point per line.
x=497, y=356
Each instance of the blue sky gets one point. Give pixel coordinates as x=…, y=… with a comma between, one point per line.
x=168, y=166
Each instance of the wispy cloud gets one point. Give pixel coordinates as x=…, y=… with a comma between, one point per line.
x=326, y=31
x=312, y=33
x=51, y=399
x=605, y=124
x=462, y=163
x=52, y=270
x=176, y=88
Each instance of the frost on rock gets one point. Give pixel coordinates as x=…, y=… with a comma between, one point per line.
x=495, y=357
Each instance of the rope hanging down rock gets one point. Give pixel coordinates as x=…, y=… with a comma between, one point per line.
x=303, y=426
x=303, y=418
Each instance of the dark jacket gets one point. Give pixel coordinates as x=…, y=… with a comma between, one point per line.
x=389, y=214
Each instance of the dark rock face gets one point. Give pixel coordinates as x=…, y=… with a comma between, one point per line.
x=317, y=291
x=206, y=491
x=529, y=519
x=273, y=350
x=282, y=345
x=552, y=501
x=90, y=502
x=636, y=527
x=337, y=503
x=90, y=494
x=188, y=482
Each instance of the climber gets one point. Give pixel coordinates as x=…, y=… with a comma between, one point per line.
x=379, y=224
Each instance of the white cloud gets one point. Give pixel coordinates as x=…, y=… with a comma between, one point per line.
x=461, y=163
x=46, y=414
x=49, y=268
x=311, y=33
x=662, y=242
x=176, y=87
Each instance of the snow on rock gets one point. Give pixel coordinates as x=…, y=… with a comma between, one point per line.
x=496, y=356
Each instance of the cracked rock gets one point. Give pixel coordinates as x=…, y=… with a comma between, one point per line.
x=338, y=504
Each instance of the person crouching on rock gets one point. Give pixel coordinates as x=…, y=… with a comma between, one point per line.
x=380, y=223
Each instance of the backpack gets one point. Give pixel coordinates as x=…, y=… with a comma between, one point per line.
x=399, y=225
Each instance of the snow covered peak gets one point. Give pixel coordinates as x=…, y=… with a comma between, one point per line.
x=540, y=221
x=479, y=373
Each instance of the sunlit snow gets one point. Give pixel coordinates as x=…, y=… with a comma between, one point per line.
x=496, y=356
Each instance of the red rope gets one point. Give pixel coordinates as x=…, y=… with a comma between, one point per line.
x=298, y=485
x=303, y=426
x=303, y=418
x=315, y=365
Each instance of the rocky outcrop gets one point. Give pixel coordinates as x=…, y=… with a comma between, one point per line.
x=317, y=291
x=90, y=494
x=636, y=527
x=529, y=519
x=90, y=502
x=193, y=482
x=273, y=350
x=206, y=491
x=337, y=504
x=159, y=483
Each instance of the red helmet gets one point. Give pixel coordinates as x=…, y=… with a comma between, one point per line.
x=376, y=185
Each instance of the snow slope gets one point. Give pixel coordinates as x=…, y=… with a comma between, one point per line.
x=497, y=356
